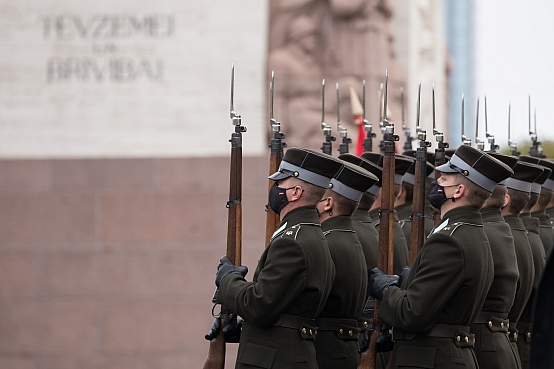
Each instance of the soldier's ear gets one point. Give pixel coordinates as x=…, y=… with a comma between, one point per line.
x=506, y=200
x=329, y=202
x=460, y=190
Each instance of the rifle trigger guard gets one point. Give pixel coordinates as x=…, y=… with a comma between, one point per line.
x=213, y=309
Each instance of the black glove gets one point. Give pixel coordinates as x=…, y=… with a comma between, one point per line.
x=384, y=342
x=231, y=330
x=380, y=282
x=369, y=306
x=225, y=268
x=403, y=276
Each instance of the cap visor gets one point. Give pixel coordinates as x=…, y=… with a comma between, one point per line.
x=445, y=168
x=279, y=175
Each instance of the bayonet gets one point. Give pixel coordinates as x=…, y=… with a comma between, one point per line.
x=535, y=144
x=405, y=128
x=368, y=141
x=490, y=137
x=480, y=144
x=327, y=145
x=512, y=144
x=440, y=156
x=343, y=146
x=465, y=140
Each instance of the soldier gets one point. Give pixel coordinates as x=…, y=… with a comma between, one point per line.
x=450, y=277
x=539, y=209
x=338, y=333
x=531, y=225
x=403, y=204
x=519, y=187
x=492, y=345
x=294, y=274
x=400, y=243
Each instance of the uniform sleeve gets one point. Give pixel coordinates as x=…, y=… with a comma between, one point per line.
x=280, y=281
x=438, y=275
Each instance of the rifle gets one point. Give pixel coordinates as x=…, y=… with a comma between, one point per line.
x=440, y=157
x=417, y=234
x=480, y=144
x=368, y=141
x=381, y=124
x=327, y=146
x=386, y=235
x=465, y=140
x=276, y=154
x=216, y=353
x=343, y=147
x=490, y=138
x=512, y=144
x=536, y=146
x=405, y=128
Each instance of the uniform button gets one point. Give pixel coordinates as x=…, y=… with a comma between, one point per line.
x=467, y=339
x=508, y=325
x=340, y=331
x=350, y=333
x=303, y=330
x=490, y=324
x=528, y=334
x=315, y=333
x=365, y=324
x=515, y=335
x=458, y=338
x=311, y=332
x=501, y=324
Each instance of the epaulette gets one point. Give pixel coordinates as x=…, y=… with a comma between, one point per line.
x=338, y=230
x=451, y=228
x=545, y=226
x=292, y=232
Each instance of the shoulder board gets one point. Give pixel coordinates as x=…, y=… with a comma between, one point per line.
x=292, y=232
x=545, y=226
x=519, y=229
x=451, y=228
x=338, y=230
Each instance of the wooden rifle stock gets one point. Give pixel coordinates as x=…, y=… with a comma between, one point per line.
x=216, y=352
x=272, y=219
x=417, y=234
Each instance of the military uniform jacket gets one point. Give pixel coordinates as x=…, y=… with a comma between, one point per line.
x=338, y=348
x=550, y=212
x=447, y=284
x=492, y=345
x=526, y=270
x=368, y=237
x=404, y=213
x=539, y=259
x=545, y=229
x=294, y=276
x=400, y=242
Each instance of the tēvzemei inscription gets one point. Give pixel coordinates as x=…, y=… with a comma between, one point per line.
x=106, y=61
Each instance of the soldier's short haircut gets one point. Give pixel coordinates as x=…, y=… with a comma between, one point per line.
x=312, y=192
x=342, y=205
x=544, y=198
x=408, y=190
x=532, y=201
x=396, y=190
x=498, y=197
x=476, y=195
x=518, y=200
x=367, y=201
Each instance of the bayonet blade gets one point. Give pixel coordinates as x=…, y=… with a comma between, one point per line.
x=338, y=106
x=434, y=122
x=385, y=95
x=363, y=99
x=231, y=109
x=271, y=87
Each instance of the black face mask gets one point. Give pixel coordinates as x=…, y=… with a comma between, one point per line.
x=436, y=194
x=278, y=198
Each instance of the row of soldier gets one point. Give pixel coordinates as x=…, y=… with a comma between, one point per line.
x=465, y=299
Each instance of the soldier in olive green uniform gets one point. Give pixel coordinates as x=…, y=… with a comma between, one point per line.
x=403, y=204
x=400, y=243
x=294, y=274
x=450, y=277
x=493, y=349
x=519, y=187
x=539, y=210
x=539, y=259
x=337, y=340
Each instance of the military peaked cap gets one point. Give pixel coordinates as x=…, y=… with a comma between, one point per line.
x=524, y=175
x=409, y=176
x=374, y=169
x=373, y=157
x=310, y=166
x=477, y=166
x=351, y=181
x=412, y=153
x=401, y=165
x=510, y=161
x=546, y=179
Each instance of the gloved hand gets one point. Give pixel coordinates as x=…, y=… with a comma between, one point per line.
x=380, y=282
x=231, y=330
x=403, y=276
x=384, y=342
x=369, y=306
x=225, y=268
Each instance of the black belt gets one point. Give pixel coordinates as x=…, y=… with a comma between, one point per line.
x=460, y=334
x=344, y=328
x=525, y=328
x=513, y=332
x=306, y=326
x=496, y=322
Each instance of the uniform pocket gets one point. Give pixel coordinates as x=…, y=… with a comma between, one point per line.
x=257, y=355
x=416, y=356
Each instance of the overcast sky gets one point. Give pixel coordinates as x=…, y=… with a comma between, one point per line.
x=514, y=59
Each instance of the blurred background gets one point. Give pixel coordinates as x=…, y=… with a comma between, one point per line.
x=114, y=152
